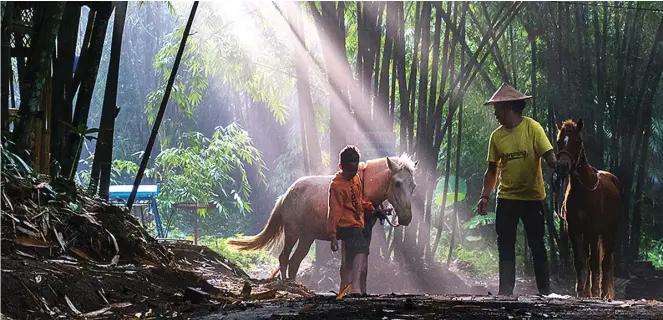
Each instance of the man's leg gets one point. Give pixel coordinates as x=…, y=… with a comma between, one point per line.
x=534, y=223
x=506, y=225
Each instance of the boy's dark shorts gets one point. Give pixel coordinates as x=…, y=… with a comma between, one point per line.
x=354, y=239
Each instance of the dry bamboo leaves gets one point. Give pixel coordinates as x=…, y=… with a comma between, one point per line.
x=343, y=291
x=32, y=242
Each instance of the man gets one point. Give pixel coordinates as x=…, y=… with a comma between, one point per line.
x=346, y=220
x=516, y=148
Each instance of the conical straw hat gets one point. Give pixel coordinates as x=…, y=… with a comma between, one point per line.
x=506, y=93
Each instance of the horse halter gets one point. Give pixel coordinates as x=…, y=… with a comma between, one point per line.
x=574, y=164
x=385, y=191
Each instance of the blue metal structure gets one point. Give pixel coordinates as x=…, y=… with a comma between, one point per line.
x=146, y=196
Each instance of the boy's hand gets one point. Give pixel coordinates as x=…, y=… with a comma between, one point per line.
x=334, y=244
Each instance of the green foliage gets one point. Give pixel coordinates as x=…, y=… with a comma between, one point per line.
x=208, y=170
x=479, y=220
x=480, y=262
x=247, y=261
x=438, y=194
x=653, y=251
x=11, y=161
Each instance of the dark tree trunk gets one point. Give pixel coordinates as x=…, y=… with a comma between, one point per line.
x=5, y=63
x=37, y=69
x=424, y=229
x=383, y=87
x=413, y=76
x=84, y=99
x=63, y=67
x=103, y=157
x=399, y=51
x=454, y=225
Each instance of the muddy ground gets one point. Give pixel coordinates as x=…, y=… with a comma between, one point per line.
x=446, y=307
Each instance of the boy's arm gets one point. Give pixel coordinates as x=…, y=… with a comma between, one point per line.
x=367, y=205
x=335, y=208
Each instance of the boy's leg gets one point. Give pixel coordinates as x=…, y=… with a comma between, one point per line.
x=506, y=225
x=346, y=266
x=357, y=249
x=357, y=270
x=367, y=232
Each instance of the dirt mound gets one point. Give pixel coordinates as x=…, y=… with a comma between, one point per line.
x=43, y=218
x=66, y=255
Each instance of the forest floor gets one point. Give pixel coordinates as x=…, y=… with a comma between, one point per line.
x=66, y=255
x=447, y=307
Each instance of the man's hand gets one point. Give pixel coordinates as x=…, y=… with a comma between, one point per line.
x=482, y=206
x=551, y=159
x=334, y=244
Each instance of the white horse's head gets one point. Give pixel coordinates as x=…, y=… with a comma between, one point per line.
x=401, y=186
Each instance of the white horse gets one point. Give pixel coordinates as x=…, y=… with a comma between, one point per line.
x=301, y=213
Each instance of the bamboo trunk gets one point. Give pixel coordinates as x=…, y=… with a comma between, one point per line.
x=162, y=107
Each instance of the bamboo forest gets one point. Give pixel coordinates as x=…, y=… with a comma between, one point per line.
x=366, y=160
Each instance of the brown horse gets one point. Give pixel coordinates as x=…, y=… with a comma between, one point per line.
x=592, y=212
x=301, y=213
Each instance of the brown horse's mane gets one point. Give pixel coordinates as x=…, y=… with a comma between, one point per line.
x=568, y=124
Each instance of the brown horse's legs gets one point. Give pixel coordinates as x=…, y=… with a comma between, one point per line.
x=595, y=265
x=580, y=252
x=608, y=285
x=284, y=257
x=303, y=247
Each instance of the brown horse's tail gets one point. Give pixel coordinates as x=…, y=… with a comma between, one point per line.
x=270, y=234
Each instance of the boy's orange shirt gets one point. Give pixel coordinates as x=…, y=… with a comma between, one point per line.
x=346, y=204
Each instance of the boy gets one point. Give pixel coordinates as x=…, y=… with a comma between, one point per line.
x=515, y=150
x=345, y=220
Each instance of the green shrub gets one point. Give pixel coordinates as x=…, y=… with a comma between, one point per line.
x=477, y=262
x=653, y=252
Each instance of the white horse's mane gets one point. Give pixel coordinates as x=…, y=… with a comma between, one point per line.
x=406, y=161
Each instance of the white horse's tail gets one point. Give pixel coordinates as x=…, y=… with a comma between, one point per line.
x=270, y=235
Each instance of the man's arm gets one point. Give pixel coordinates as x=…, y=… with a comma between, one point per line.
x=489, y=180
x=543, y=146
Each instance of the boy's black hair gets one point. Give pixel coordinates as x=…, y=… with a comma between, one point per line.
x=349, y=154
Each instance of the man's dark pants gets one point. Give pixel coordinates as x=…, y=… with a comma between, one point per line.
x=508, y=213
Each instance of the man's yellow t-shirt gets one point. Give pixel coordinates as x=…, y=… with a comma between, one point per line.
x=518, y=154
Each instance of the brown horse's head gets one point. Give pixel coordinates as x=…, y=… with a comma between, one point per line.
x=569, y=145
x=401, y=186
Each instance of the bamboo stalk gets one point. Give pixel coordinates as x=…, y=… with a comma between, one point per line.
x=162, y=108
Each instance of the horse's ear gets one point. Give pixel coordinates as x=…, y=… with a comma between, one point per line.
x=416, y=163
x=559, y=127
x=392, y=166
x=580, y=124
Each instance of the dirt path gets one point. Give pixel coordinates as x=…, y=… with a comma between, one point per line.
x=446, y=307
